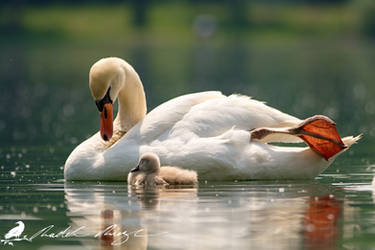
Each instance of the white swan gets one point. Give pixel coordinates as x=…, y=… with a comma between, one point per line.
x=207, y=132
x=149, y=173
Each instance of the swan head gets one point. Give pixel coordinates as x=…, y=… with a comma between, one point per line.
x=148, y=163
x=106, y=79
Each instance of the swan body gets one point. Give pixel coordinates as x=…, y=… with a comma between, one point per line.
x=207, y=132
x=149, y=173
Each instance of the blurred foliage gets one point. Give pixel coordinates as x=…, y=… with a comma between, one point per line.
x=309, y=17
x=368, y=19
x=303, y=58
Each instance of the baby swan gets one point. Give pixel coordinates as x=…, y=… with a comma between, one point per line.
x=149, y=173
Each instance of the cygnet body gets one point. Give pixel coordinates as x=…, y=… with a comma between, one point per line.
x=149, y=173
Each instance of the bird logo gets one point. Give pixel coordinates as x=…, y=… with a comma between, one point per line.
x=15, y=232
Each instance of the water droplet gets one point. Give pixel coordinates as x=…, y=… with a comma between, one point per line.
x=310, y=228
x=330, y=216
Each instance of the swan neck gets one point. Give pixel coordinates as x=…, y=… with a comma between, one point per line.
x=132, y=101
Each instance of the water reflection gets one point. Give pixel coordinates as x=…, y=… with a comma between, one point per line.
x=321, y=227
x=231, y=216
x=114, y=218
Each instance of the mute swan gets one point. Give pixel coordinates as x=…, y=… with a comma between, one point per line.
x=207, y=132
x=149, y=172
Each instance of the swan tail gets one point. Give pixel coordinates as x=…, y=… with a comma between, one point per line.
x=350, y=140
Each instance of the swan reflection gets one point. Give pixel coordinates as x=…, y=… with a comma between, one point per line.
x=216, y=216
x=115, y=215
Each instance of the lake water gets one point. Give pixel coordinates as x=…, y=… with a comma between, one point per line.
x=46, y=110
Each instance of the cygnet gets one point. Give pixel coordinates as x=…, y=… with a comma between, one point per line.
x=149, y=173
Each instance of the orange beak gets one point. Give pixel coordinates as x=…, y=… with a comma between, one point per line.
x=106, y=122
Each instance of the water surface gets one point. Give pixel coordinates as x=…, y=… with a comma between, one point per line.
x=46, y=110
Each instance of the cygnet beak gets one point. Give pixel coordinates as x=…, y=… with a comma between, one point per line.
x=134, y=169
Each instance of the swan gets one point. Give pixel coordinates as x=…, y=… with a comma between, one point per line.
x=148, y=172
x=221, y=137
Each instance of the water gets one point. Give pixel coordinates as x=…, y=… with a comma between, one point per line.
x=46, y=110
x=333, y=211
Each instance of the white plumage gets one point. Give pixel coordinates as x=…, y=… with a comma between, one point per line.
x=207, y=132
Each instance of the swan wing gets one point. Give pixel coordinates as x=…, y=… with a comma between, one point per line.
x=207, y=132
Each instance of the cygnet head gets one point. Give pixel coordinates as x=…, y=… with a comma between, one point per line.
x=148, y=163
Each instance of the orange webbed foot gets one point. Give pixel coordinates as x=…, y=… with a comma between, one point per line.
x=320, y=133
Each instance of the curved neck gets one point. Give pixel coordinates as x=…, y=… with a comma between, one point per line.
x=132, y=101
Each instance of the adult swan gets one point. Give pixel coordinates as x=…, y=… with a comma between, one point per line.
x=221, y=137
